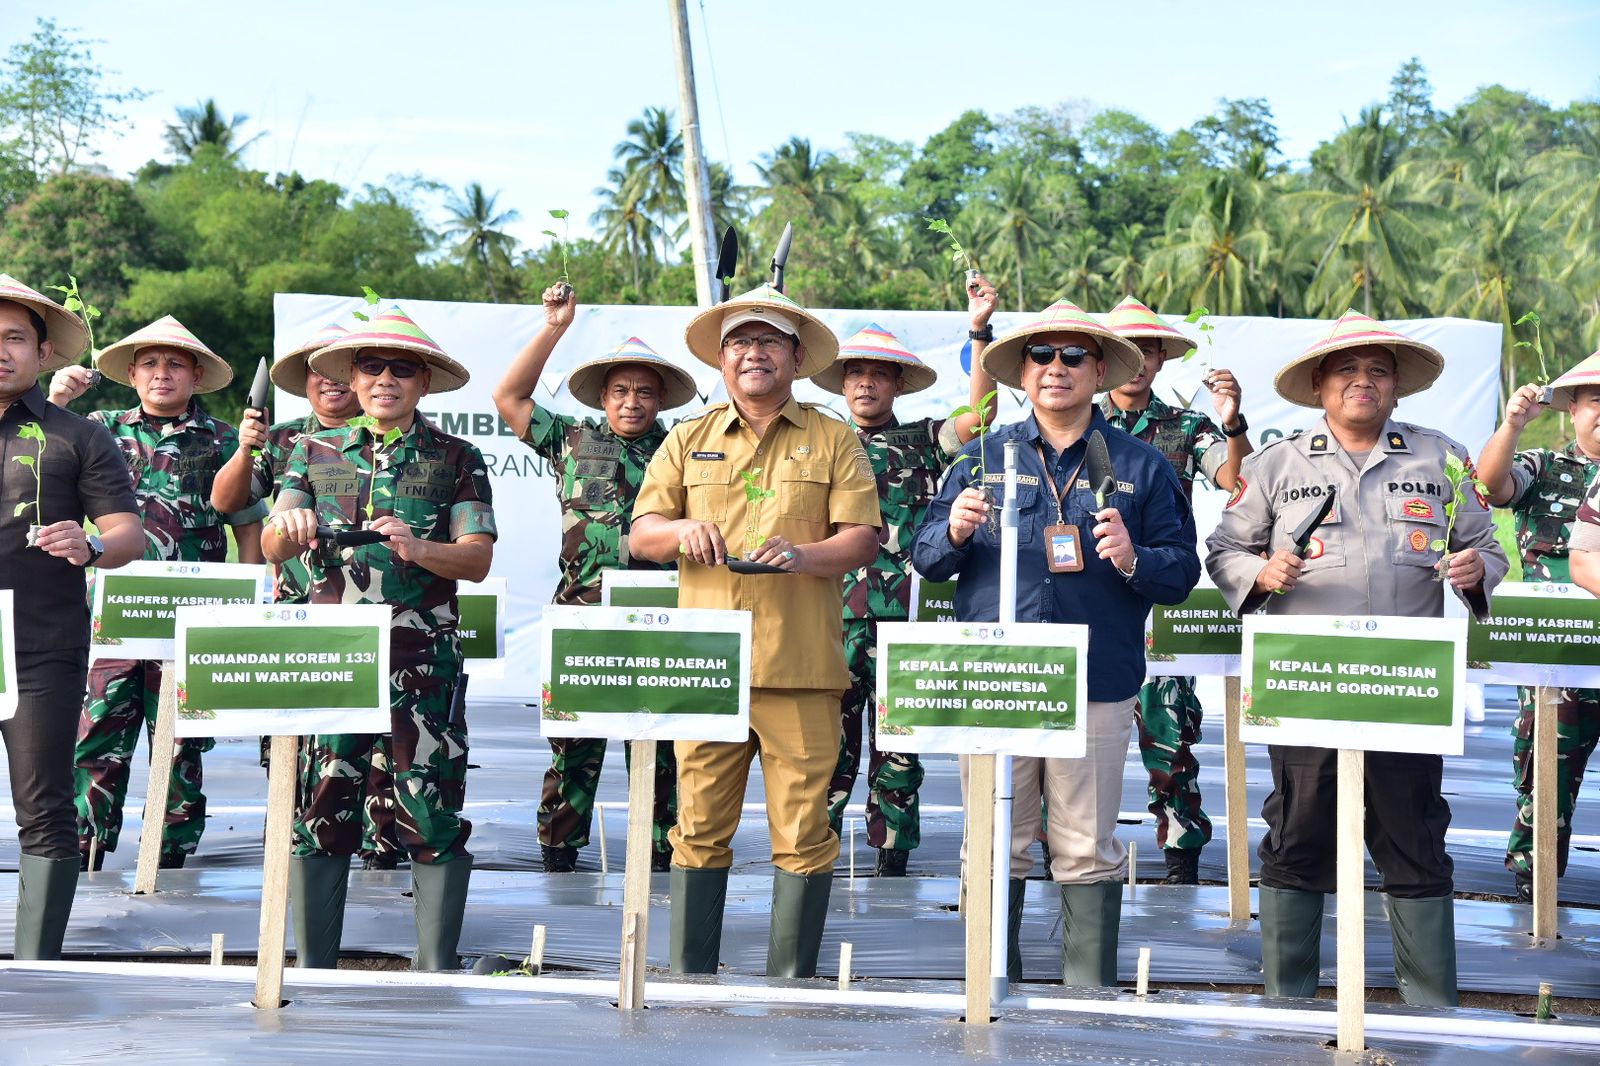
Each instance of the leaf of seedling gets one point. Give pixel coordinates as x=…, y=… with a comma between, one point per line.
x=557, y=212
x=25, y=460
x=1198, y=315
x=362, y=421
x=23, y=506
x=371, y=295
x=30, y=431
x=964, y=409
x=552, y=234
x=73, y=304
x=1437, y=545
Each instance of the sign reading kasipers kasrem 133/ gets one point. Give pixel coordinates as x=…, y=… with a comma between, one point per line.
x=282, y=669
x=645, y=673
x=1540, y=633
x=1361, y=682
x=638, y=588
x=134, y=606
x=1200, y=636
x=8, y=658
x=981, y=688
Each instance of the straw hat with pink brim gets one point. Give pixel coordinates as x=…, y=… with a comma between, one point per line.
x=1417, y=365
x=764, y=304
x=878, y=345
x=1003, y=358
x=115, y=361
x=587, y=382
x=1135, y=321
x=390, y=331
x=289, y=372
x=1564, y=389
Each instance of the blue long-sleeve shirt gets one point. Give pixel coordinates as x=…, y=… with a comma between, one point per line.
x=1151, y=502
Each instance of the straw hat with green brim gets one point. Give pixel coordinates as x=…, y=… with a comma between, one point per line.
x=1003, y=358
x=878, y=345
x=67, y=336
x=114, y=362
x=587, y=382
x=289, y=372
x=1564, y=389
x=764, y=304
x=1417, y=365
x=390, y=331
x=1135, y=321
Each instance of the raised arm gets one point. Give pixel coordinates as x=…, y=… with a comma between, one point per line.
x=513, y=396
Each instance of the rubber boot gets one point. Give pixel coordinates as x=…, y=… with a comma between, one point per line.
x=317, y=885
x=698, y=897
x=1183, y=866
x=439, y=893
x=1424, y=934
x=799, y=911
x=1291, y=941
x=1090, y=915
x=45, y=888
x=1014, y=927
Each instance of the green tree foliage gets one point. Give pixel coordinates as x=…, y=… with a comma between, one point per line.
x=203, y=124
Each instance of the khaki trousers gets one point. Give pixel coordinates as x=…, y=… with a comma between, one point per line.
x=1084, y=796
x=796, y=734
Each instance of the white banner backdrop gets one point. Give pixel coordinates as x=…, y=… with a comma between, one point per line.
x=485, y=337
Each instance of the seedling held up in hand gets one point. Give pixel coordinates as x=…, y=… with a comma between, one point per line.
x=755, y=496
x=1461, y=477
x=1538, y=349
x=372, y=299
x=958, y=254
x=561, y=245
x=32, y=431
x=984, y=410
x=381, y=454
x=85, y=311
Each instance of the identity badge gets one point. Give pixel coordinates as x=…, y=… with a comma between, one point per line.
x=1063, y=549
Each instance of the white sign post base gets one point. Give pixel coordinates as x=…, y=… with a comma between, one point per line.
x=636, y=875
x=155, y=796
x=1351, y=901
x=275, y=872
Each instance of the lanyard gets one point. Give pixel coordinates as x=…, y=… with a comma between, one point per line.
x=1071, y=481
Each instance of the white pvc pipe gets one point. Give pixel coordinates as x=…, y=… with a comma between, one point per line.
x=1000, y=899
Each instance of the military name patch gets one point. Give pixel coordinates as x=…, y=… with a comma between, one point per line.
x=598, y=449
x=712, y=456
x=1238, y=492
x=333, y=479
x=1304, y=492
x=1419, y=540
x=1416, y=507
x=902, y=438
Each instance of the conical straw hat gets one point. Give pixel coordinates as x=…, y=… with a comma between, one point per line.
x=167, y=332
x=391, y=330
x=1417, y=365
x=704, y=333
x=1134, y=320
x=1003, y=358
x=67, y=336
x=289, y=372
x=879, y=345
x=588, y=380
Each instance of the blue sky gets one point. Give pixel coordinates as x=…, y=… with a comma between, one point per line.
x=530, y=98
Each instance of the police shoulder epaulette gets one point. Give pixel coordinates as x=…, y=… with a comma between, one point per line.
x=824, y=408
x=1296, y=435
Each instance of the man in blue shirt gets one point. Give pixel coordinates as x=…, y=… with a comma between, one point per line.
x=1137, y=550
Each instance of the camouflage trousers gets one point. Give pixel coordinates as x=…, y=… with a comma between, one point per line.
x=1167, y=715
x=566, y=804
x=122, y=698
x=377, y=827
x=425, y=752
x=892, y=777
x=1577, y=729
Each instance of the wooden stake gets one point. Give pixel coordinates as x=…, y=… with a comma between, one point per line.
x=852, y=854
x=636, y=876
x=1351, y=901
x=846, y=950
x=216, y=949
x=536, y=956
x=1545, y=711
x=1133, y=866
x=155, y=795
x=1142, y=985
x=979, y=882
x=600, y=824
x=281, y=773
x=1238, y=806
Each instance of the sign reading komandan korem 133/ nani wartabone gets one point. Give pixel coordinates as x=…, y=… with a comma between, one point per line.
x=1362, y=682
x=282, y=669
x=977, y=688
x=645, y=673
x=1539, y=633
x=134, y=605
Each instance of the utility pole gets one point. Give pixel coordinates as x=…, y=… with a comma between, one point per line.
x=696, y=174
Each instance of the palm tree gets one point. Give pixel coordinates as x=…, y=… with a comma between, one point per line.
x=203, y=124
x=474, y=220
x=1216, y=237
x=1124, y=257
x=623, y=224
x=1076, y=261
x=652, y=165
x=1019, y=218
x=802, y=181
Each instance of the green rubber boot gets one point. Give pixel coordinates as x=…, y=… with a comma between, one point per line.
x=1291, y=941
x=698, y=897
x=799, y=911
x=317, y=885
x=1424, y=934
x=1014, y=927
x=439, y=893
x=45, y=888
x=1090, y=915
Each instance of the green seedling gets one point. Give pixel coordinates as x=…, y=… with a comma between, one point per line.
x=32, y=431
x=86, y=312
x=561, y=242
x=958, y=254
x=372, y=299
x=382, y=452
x=1198, y=316
x=1461, y=477
x=755, y=496
x=1532, y=317
x=984, y=410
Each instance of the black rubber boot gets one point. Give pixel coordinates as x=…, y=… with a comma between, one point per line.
x=317, y=886
x=660, y=861
x=799, y=911
x=1291, y=941
x=562, y=859
x=1183, y=866
x=439, y=892
x=45, y=888
x=698, y=897
x=1424, y=934
x=382, y=860
x=1014, y=929
x=1090, y=916
x=99, y=861
x=171, y=860
x=891, y=863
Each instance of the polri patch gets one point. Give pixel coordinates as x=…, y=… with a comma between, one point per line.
x=1417, y=507
x=1419, y=541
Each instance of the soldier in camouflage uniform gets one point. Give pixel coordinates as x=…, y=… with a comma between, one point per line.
x=601, y=463
x=872, y=369
x=397, y=474
x=1168, y=714
x=1544, y=489
x=173, y=449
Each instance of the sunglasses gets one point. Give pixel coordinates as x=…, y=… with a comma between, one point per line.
x=1072, y=356
x=375, y=366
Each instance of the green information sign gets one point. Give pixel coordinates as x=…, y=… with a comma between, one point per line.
x=1539, y=634
x=611, y=672
x=287, y=667
x=933, y=601
x=1203, y=624
x=134, y=606
x=644, y=596
x=479, y=627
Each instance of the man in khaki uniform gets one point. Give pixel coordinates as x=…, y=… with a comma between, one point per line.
x=763, y=479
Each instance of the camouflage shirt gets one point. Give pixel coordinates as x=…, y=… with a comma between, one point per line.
x=1190, y=441
x=1547, y=489
x=1586, y=531
x=292, y=584
x=172, y=462
x=437, y=484
x=907, y=459
x=600, y=475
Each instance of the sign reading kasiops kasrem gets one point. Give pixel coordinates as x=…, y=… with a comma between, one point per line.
x=282, y=669
x=134, y=605
x=638, y=588
x=1541, y=633
x=8, y=658
x=645, y=673
x=1200, y=636
x=1363, y=682
x=982, y=688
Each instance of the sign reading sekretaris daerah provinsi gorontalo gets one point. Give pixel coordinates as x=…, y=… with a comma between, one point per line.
x=1199, y=637
x=1361, y=682
x=1538, y=633
x=981, y=688
x=645, y=673
x=134, y=605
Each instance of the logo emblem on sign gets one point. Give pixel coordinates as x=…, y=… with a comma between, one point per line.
x=1419, y=539
x=1239, y=488
x=1416, y=507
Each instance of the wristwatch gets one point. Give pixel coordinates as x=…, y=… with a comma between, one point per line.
x=985, y=334
x=1244, y=427
x=1127, y=575
x=96, y=549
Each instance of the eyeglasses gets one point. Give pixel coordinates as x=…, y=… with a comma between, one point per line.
x=374, y=366
x=1072, y=356
x=770, y=344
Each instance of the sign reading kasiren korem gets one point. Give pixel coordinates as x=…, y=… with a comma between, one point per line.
x=638, y=588
x=481, y=625
x=1362, y=682
x=282, y=669
x=982, y=688
x=645, y=673
x=8, y=658
x=1199, y=637
x=134, y=605
x=1538, y=633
